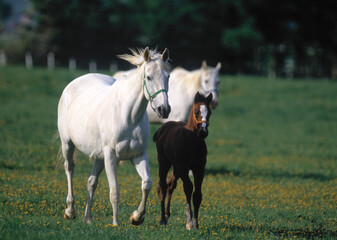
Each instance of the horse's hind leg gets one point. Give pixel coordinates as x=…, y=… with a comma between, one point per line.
x=68, y=149
x=172, y=184
x=164, y=167
x=188, y=189
x=92, y=185
x=197, y=195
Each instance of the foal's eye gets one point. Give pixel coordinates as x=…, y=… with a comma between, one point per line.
x=206, y=81
x=149, y=78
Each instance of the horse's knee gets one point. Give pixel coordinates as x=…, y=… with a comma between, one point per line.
x=69, y=166
x=147, y=184
x=92, y=183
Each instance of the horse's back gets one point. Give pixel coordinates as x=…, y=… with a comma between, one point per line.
x=89, y=82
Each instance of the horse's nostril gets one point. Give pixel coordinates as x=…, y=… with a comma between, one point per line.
x=160, y=110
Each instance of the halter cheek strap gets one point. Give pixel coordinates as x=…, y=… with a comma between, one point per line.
x=196, y=120
x=151, y=96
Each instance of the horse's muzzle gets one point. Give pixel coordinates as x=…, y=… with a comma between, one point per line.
x=164, y=111
x=213, y=104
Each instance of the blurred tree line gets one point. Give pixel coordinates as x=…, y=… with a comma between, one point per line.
x=266, y=37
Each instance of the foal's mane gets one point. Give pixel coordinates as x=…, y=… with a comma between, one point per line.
x=137, y=58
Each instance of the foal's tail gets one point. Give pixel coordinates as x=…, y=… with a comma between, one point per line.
x=155, y=136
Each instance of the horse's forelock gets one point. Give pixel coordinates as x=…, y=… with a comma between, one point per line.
x=137, y=58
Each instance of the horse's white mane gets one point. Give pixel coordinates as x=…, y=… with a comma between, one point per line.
x=188, y=78
x=137, y=58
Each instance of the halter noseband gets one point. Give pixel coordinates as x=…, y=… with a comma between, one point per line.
x=196, y=120
x=151, y=96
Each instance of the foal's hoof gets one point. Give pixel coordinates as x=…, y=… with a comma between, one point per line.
x=163, y=222
x=189, y=226
x=136, y=218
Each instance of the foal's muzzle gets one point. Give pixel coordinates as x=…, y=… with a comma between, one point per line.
x=163, y=111
x=202, y=132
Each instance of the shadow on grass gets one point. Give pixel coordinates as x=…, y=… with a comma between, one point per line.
x=273, y=174
x=306, y=232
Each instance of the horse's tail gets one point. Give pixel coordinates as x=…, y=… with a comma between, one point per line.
x=59, y=157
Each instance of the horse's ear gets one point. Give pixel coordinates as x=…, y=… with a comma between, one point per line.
x=197, y=97
x=165, y=55
x=209, y=98
x=218, y=66
x=204, y=65
x=147, y=56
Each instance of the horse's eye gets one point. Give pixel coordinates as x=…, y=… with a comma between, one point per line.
x=148, y=78
x=206, y=81
x=168, y=77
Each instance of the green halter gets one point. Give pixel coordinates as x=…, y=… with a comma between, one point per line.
x=151, y=96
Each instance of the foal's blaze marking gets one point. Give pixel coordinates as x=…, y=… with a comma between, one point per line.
x=183, y=146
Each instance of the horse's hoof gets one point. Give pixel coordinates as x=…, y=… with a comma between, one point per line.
x=69, y=217
x=87, y=220
x=135, y=219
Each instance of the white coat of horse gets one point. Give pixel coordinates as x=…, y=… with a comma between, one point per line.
x=183, y=85
x=106, y=120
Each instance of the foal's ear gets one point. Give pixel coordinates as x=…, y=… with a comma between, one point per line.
x=198, y=97
x=209, y=98
x=204, y=65
x=165, y=55
x=147, y=55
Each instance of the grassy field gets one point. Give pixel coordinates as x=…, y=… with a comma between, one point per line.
x=271, y=170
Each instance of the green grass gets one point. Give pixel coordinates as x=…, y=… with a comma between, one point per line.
x=271, y=170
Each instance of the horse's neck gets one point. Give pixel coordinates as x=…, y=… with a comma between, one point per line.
x=190, y=123
x=134, y=100
x=195, y=78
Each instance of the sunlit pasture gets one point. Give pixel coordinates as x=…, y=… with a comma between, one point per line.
x=271, y=170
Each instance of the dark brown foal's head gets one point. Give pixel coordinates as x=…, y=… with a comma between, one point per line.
x=201, y=114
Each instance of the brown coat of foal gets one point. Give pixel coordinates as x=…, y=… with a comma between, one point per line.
x=183, y=146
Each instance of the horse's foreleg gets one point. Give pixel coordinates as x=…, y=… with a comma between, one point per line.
x=188, y=189
x=142, y=167
x=92, y=185
x=68, y=152
x=110, y=163
x=172, y=184
x=197, y=195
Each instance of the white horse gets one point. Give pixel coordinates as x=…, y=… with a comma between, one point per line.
x=107, y=120
x=183, y=85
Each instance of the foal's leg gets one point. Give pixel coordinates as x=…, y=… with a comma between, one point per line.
x=197, y=195
x=142, y=166
x=68, y=149
x=172, y=184
x=110, y=162
x=92, y=185
x=164, y=167
x=188, y=189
